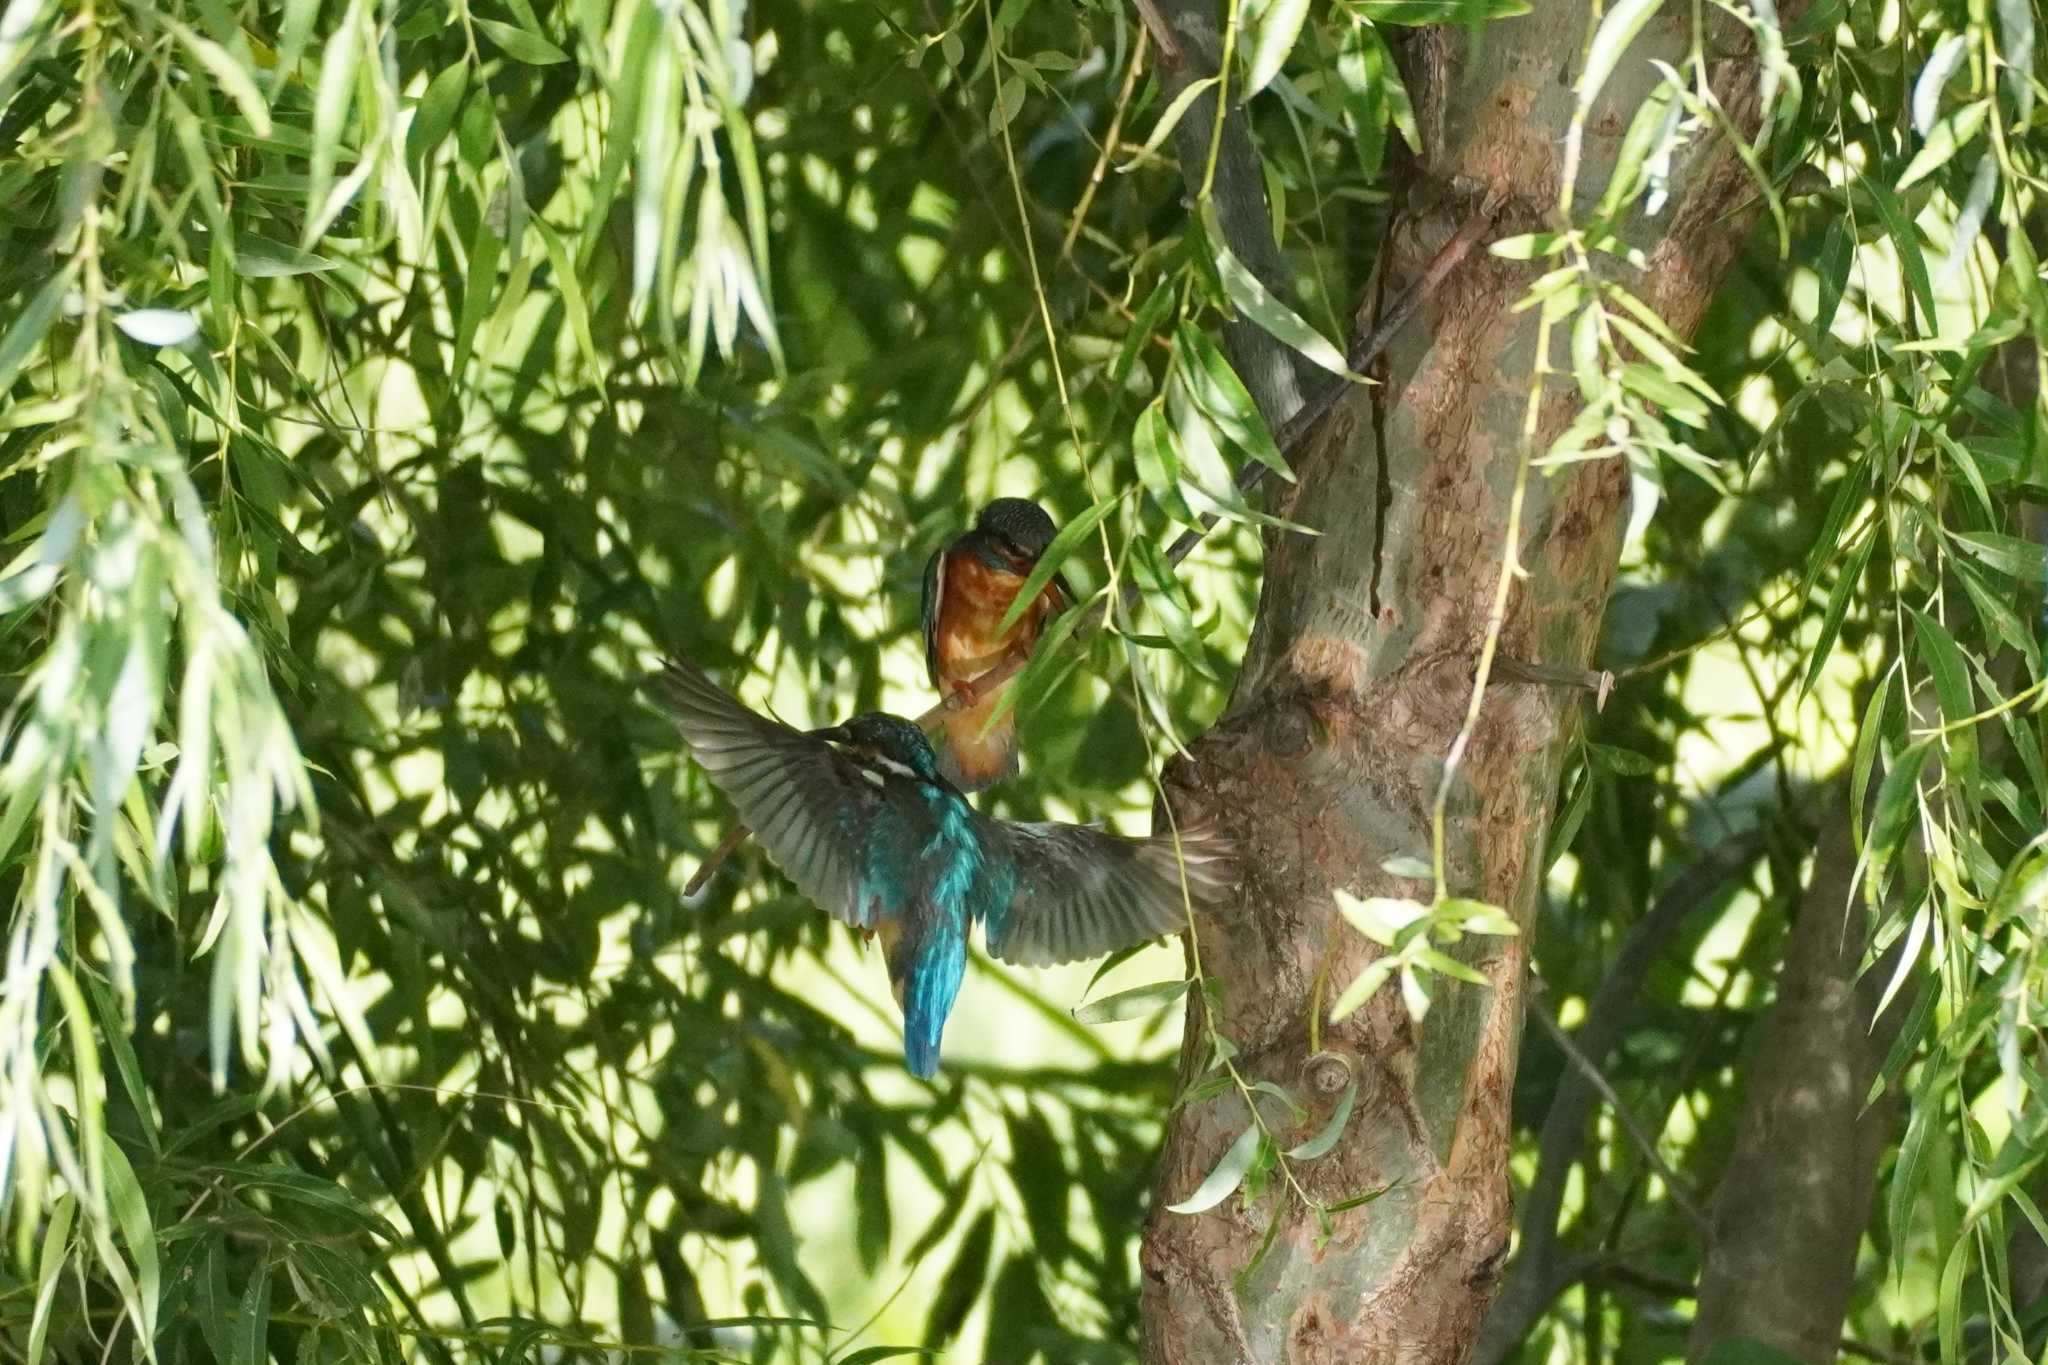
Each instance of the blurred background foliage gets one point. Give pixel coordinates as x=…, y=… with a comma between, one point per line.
x=385, y=386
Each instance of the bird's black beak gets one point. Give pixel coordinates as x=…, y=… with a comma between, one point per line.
x=1065, y=590
x=837, y=734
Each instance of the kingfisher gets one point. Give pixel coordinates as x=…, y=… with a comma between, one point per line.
x=861, y=818
x=968, y=588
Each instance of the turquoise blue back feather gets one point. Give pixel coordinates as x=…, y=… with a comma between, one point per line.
x=880, y=841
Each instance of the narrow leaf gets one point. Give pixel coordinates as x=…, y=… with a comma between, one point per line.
x=29, y=325
x=1934, y=77
x=1906, y=237
x=1327, y=1136
x=1221, y=396
x=1364, y=986
x=2019, y=559
x=1063, y=544
x=239, y=83
x=1279, y=25
x=1157, y=455
x=1950, y=136
x=519, y=44
x=158, y=326
x=1135, y=1003
x=1617, y=30
x=1173, y=115
x=436, y=112
x=1228, y=1174
x=1251, y=298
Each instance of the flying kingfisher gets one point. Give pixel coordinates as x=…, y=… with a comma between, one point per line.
x=863, y=822
x=968, y=588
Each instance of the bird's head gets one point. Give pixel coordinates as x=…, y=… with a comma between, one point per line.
x=1011, y=533
x=890, y=740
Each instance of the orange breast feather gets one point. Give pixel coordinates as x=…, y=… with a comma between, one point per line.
x=975, y=599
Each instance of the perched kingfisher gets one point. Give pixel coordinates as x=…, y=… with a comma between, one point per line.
x=968, y=588
x=863, y=822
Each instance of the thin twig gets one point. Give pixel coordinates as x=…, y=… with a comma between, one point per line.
x=1109, y=142
x=734, y=837
x=1162, y=32
x=1599, y=682
x=1673, y=1182
x=1293, y=433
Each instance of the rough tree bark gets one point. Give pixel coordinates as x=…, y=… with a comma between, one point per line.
x=1350, y=695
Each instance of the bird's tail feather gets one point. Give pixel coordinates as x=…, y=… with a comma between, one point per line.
x=926, y=986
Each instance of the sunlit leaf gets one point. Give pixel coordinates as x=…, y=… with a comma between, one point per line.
x=1414, y=993
x=158, y=326
x=1158, y=459
x=234, y=78
x=1941, y=64
x=1255, y=301
x=1906, y=237
x=1222, y=397
x=1364, y=986
x=435, y=116
x=520, y=44
x=1618, y=28
x=2022, y=560
x=1273, y=37
x=1948, y=137
x=1168, y=120
x=1379, y=918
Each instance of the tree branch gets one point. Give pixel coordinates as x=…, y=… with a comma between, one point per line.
x=1792, y=1204
x=1538, y=1275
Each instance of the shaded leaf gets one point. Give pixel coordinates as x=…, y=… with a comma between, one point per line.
x=1326, y=1137
x=1135, y=1003
x=1228, y=1173
x=520, y=44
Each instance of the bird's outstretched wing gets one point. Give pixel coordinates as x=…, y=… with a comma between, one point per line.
x=820, y=815
x=934, y=598
x=1082, y=893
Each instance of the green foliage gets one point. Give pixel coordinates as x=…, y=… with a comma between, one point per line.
x=1877, y=556
x=383, y=387
x=386, y=385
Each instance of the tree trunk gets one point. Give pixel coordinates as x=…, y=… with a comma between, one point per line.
x=1796, y=1196
x=1351, y=692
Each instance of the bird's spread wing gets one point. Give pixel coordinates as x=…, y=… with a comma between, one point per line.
x=814, y=809
x=934, y=597
x=1082, y=893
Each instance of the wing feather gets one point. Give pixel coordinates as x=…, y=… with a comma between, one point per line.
x=807, y=803
x=1082, y=893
